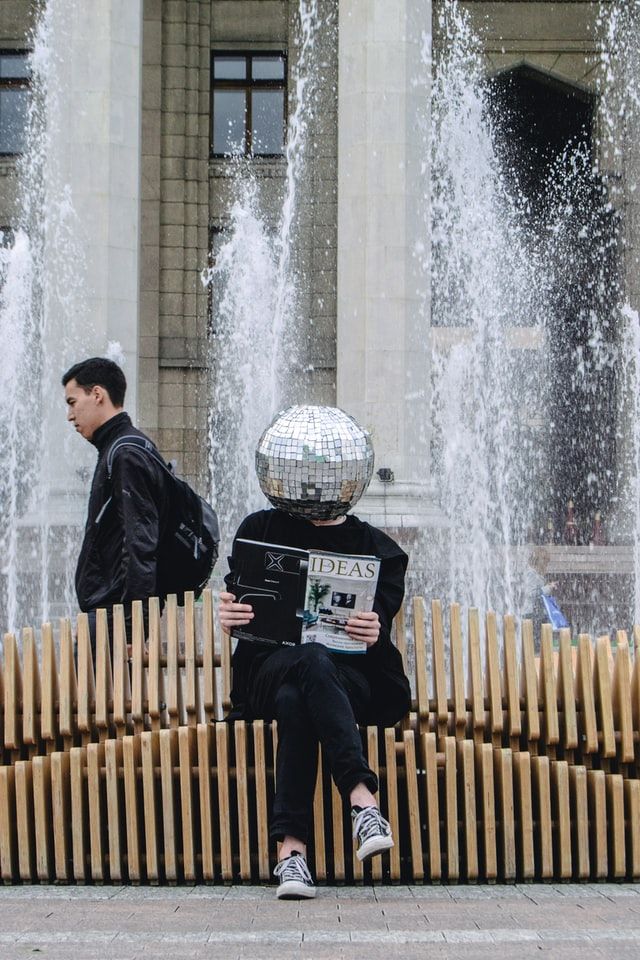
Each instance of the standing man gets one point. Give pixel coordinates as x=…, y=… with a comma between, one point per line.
x=127, y=510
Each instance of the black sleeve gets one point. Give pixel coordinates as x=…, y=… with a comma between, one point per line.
x=136, y=495
x=249, y=529
x=390, y=687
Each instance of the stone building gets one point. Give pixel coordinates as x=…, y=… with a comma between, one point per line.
x=161, y=67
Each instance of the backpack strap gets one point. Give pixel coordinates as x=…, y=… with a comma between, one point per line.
x=131, y=440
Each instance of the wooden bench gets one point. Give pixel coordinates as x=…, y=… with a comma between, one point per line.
x=517, y=761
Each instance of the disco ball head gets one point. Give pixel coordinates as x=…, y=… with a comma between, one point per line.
x=314, y=462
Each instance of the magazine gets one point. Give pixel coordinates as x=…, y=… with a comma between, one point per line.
x=301, y=596
x=272, y=579
x=338, y=587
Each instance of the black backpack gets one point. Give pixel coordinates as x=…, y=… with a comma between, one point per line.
x=188, y=549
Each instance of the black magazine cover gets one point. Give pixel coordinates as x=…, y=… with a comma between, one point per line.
x=272, y=578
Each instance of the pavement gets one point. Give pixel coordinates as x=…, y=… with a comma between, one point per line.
x=563, y=922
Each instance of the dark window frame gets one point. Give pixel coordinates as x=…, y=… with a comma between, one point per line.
x=248, y=84
x=14, y=83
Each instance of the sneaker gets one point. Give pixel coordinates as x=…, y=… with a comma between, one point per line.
x=296, y=883
x=371, y=830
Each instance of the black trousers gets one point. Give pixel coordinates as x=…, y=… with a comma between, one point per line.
x=315, y=699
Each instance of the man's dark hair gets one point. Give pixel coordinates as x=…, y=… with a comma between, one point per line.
x=99, y=372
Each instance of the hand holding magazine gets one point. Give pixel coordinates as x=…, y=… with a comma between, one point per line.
x=301, y=596
x=339, y=586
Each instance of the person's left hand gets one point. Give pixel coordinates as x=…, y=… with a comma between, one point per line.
x=365, y=627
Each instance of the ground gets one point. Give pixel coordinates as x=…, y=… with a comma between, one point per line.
x=564, y=921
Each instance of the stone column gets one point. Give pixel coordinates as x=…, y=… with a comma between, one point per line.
x=383, y=246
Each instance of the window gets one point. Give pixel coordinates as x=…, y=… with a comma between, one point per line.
x=248, y=104
x=15, y=82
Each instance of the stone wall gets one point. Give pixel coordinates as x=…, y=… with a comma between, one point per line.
x=16, y=21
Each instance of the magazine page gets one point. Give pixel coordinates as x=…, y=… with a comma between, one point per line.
x=338, y=587
x=272, y=579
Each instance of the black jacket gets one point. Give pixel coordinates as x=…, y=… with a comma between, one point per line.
x=382, y=663
x=117, y=562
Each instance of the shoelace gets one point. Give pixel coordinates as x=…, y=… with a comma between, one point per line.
x=292, y=868
x=369, y=822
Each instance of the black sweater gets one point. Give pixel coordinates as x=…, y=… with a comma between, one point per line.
x=382, y=663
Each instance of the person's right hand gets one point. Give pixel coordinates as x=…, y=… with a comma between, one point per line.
x=234, y=614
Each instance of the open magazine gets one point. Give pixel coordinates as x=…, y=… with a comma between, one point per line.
x=338, y=587
x=301, y=595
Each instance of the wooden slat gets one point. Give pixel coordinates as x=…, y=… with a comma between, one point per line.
x=584, y=694
x=192, y=685
x=566, y=692
x=400, y=635
x=632, y=828
x=104, y=677
x=524, y=815
x=68, y=685
x=96, y=806
x=121, y=677
x=487, y=810
x=372, y=759
x=511, y=683
x=413, y=806
x=393, y=811
x=174, y=684
x=579, y=822
x=541, y=778
x=138, y=692
x=114, y=786
x=204, y=733
x=61, y=815
x=615, y=826
x=493, y=683
x=503, y=770
x=42, y=815
x=451, y=810
x=50, y=703
x=8, y=825
x=432, y=813
x=596, y=791
x=86, y=681
x=623, y=719
x=132, y=767
x=150, y=755
x=529, y=688
x=475, y=684
x=420, y=653
x=603, y=697
x=548, y=690
x=224, y=811
x=561, y=807
x=439, y=669
x=262, y=818
x=170, y=815
x=225, y=659
x=210, y=687
x=466, y=770
x=242, y=799
x=456, y=658
x=337, y=830
x=79, y=813
x=319, y=851
x=24, y=821
x=155, y=674
x=12, y=694
x=187, y=760
x=31, y=700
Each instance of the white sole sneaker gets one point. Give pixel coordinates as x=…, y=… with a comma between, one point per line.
x=295, y=890
x=373, y=846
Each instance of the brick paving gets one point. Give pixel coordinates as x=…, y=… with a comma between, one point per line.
x=563, y=922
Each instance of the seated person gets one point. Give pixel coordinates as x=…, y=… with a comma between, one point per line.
x=313, y=464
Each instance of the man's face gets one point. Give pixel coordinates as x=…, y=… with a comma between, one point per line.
x=85, y=410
